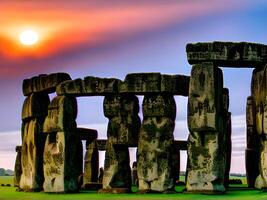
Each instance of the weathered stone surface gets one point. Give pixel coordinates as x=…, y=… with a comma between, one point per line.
x=159, y=106
x=134, y=174
x=124, y=122
x=207, y=122
x=101, y=145
x=91, y=162
x=261, y=181
x=43, y=83
x=60, y=162
x=117, y=172
x=227, y=147
x=227, y=53
x=176, y=164
x=227, y=132
x=252, y=166
x=155, y=146
x=17, y=169
x=35, y=106
x=206, y=163
x=175, y=84
x=205, y=102
x=123, y=131
x=256, y=81
x=141, y=83
x=90, y=86
x=32, y=156
x=87, y=134
x=62, y=112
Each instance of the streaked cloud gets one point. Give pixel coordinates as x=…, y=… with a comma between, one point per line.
x=68, y=30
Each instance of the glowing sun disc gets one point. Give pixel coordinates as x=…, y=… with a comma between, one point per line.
x=28, y=37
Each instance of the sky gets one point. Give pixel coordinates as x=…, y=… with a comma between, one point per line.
x=112, y=39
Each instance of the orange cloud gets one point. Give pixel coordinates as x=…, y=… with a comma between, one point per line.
x=66, y=26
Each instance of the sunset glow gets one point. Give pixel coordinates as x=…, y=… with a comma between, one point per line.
x=28, y=37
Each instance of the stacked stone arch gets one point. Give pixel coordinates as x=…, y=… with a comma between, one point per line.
x=209, y=119
x=51, y=155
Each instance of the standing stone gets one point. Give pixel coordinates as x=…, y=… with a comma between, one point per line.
x=227, y=131
x=61, y=169
x=134, y=174
x=123, y=131
x=228, y=147
x=206, y=142
x=17, y=170
x=261, y=124
x=155, y=146
x=91, y=165
x=252, y=150
x=34, y=112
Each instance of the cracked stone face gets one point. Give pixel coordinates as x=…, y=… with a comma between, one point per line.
x=207, y=124
x=33, y=114
x=123, y=131
x=62, y=152
x=155, y=146
x=204, y=103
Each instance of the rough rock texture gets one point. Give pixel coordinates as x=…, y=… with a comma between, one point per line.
x=90, y=86
x=62, y=112
x=155, y=146
x=35, y=106
x=43, y=83
x=259, y=87
x=206, y=142
x=252, y=150
x=228, y=147
x=123, y=130
x=62, y=146
x=205, y=98
x=17, y=169
x=91, y=162
x=124, y=122
x=33, y=115
x=175, y=84
x=206, y=164
x=227, y=132
x=87, y=134
x=134, y=174
x=140, y=83
x=117, y=171
x=227, y=53
x=144, y=83
x=61, y=169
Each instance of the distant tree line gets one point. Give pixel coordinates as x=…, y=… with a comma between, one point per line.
x=6, y=172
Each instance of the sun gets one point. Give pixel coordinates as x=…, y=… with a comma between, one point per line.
x=29, y=37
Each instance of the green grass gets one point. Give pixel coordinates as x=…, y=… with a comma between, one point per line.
x=7, y=193
x=6, y=180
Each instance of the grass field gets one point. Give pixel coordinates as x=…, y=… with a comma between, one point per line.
x=7, y=193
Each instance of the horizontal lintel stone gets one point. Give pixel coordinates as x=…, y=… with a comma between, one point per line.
x=89, y=86
x=87, y=134
x=231, y=54
x=43, y=83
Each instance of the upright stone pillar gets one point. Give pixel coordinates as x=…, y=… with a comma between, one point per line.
x=155, y=147
x=17, y=170
x=227, y=131
x=123, y=130
x=91, y=161
x=259, y=87
x=61, y=167
x=206, y=153
x=252, y=150
x=33, y=114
